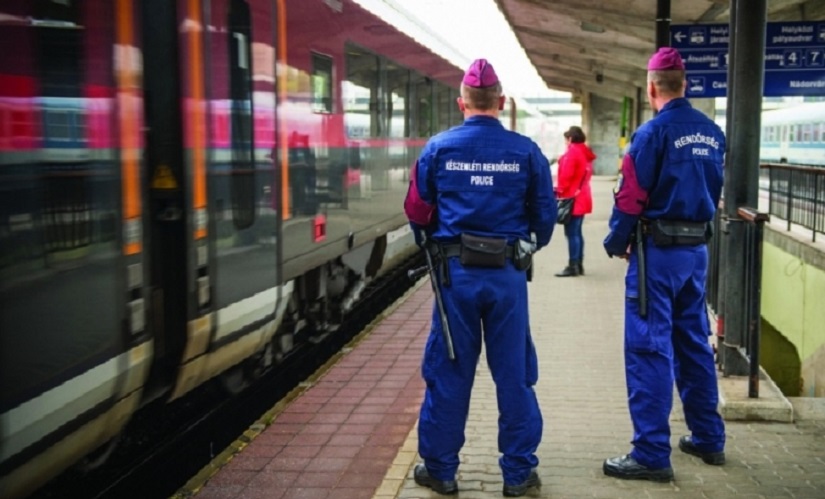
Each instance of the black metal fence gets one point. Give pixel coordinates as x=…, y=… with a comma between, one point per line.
x=796, y=194
x=754, y=230
x=747, y=341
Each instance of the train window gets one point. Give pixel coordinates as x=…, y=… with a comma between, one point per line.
x=424, y=107
x=443, y=106
x=58, y=125
x=239, y=38
x=819, y=132
x=362, y=102
x=398, y=82
x=792, y=133
x=321, y=83
x=61, y=310
x=807, y=132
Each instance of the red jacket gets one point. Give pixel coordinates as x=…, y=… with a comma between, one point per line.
x=575, y=170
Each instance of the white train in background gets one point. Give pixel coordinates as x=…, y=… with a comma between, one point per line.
x=794, y=135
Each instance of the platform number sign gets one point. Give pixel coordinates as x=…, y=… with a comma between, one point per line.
x=813, y=58
x=794, y=58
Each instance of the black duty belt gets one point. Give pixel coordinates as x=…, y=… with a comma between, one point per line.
x=450, y=250
x=675, y=232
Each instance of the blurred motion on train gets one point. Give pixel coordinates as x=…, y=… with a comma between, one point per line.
x=189, y=191
x=794, y=135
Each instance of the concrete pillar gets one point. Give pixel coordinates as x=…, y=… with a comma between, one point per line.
x=602, y=124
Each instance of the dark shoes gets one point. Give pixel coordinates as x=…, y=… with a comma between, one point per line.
x=687, y=446
x=628, y=468
x=450, y=487
x=423, y=478
x=574, y=268
x=519, y=490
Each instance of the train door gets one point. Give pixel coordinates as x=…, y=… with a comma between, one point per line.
x=167, y=216
x=212, y=224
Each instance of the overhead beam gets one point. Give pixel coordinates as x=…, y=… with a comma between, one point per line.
x=713, y=12
x=613, y=84
x=623, y=23
x=592, y=67
x=775, y=6
x=633, y=57
x=580, y=88
x=812, y=10
x=597, y=8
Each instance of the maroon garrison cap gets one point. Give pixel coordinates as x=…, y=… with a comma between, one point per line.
x=480, y=74
x=664, y=59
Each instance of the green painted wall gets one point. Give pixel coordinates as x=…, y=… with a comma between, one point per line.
x=793, y=306
x=779, y=358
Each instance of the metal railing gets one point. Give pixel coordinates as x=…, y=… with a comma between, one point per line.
x=745, y=341
x=754, y=230
x=796, y=194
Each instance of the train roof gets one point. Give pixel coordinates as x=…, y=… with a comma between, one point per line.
x=804, y=113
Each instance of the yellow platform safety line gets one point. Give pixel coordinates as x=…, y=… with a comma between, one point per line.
x=163, y=178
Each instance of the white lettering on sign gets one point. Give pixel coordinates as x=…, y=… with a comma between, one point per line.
x=807, y=84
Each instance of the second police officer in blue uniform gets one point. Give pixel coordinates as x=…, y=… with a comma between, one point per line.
x=668, y=192
x=478, y=192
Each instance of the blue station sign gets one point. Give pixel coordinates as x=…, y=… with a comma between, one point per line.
x=794, y=58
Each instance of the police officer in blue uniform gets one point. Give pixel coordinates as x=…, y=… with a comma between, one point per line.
x=668, y=192
x=480, y=193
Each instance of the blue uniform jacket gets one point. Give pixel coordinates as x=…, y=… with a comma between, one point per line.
x=673, y=170
x=486, y=180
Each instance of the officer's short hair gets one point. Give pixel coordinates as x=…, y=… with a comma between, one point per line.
x=481, y=99
x=668, y=81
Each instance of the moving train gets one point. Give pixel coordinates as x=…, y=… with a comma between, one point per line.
x=794, y=135
x=188, y=190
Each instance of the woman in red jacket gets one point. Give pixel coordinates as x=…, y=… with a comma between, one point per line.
x=575, y=170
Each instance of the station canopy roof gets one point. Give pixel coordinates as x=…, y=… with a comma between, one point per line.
x=602, y=46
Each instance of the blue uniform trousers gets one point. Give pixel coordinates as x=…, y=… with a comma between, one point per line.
x=488, y=304
x=671, y=343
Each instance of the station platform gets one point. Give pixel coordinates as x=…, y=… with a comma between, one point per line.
x=350, y=431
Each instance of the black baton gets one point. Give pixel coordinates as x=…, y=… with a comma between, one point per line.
x=445, y=325
x=642, y=272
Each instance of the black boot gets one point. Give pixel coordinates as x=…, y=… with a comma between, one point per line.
x=580, y=264
x=572, y=270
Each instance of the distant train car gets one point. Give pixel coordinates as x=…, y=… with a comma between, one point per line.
x=188, y=190
x=794, y=135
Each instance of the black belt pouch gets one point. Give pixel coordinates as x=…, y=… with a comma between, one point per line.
x=678, y=233
x=477, y=251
